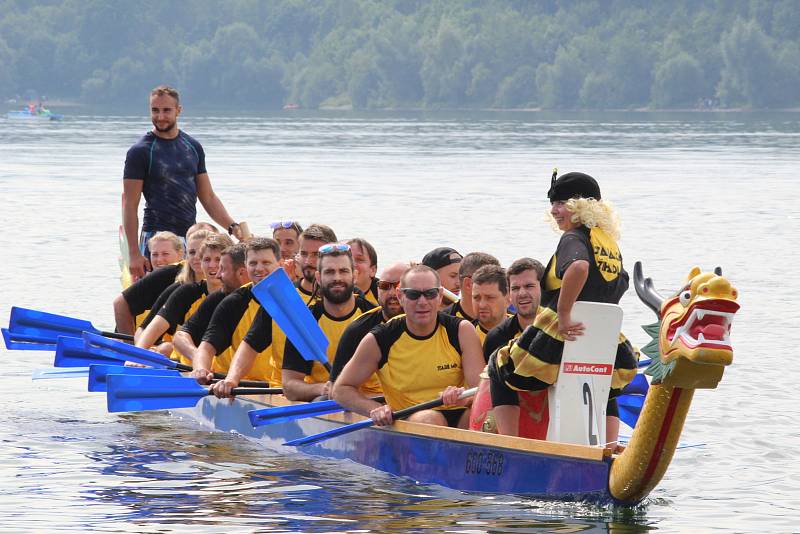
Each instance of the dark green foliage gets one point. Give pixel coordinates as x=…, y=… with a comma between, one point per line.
x=559, y=54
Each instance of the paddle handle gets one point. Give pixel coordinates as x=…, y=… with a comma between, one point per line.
x=435, y=403
x=222, y=376
x=117, y=335
x=255, y=391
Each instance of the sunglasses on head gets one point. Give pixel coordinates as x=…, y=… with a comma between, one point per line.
x=281, y=224
x=331, y=247
x=415, y=294
x=385, y=285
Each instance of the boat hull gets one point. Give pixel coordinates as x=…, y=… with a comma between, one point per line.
x=457, y=459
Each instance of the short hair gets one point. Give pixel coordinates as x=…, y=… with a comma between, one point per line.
x=264, y=243
x=525, y=264
x=162, y=90
x=364, y=244
x=295, y=226
x=491, y=274
x=474, y=261
x=216, y=242
x=177, y=242
x=319, y=232
x=237, y=253
x=333, y=254
x=201, y=226
x=419, y=268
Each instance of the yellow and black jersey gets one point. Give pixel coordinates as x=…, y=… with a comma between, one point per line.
x=333, y=327
x=532, y=362
x=228, y=327
x=416, y=369
x=261, y=338
x=197, y=323
x=143, y=294
x=481, y=332
x=182, y=303
x=456, y=310
x=371, y=294
x=348, y=344
x=307, y=296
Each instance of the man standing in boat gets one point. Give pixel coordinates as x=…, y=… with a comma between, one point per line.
x=417, y=357
x=169, y=168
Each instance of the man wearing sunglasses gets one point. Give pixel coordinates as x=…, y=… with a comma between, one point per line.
x=287, y=234
x=464, y=308
x=304, y=380
x=417, y=357
x=311, y=239
x=389, y=307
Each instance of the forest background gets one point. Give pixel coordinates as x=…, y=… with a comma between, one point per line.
x=432, y=54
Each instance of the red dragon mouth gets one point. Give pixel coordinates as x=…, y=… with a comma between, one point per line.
x=706, y=323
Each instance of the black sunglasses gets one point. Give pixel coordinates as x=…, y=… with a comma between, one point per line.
x=415, y=294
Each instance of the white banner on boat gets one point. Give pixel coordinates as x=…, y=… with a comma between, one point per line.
x=578, y=398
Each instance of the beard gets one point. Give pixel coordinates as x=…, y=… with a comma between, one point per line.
x=168, y=128
x=391, y=307
x=310, y=274
x=337, y=296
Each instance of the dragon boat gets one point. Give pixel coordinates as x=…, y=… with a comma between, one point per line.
x=690, y=348
x=27, y=115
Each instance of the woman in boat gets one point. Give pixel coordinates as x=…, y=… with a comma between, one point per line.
x=586, y=266
x=173, y=307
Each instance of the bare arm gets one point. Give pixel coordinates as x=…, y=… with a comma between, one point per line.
x=297, y=389
x=471, y=353
x=213, y=205
x=148, y=337
x=358, y=370
x=571, y=286
x=184, y=343
x=122, y=315
x=131, y=194
x=240, y=366
x=201, y=363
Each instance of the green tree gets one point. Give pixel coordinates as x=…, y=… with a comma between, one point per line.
x=678, y=82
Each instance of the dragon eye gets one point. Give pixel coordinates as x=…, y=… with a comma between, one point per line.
x=685, y=297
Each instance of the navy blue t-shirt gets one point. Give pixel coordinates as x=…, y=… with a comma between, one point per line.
x=169, y=168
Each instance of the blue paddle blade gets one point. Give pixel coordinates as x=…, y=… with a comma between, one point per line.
x=279, y=297
x=60, y=372
x=72, y=352
x=131, y=353
x=26, y=341
x=638, y=386
x=132, y=393
x=46, y=326
x=282, y=414
x=98, y=374
x=644, y=363
x=308, y=440
x=630, y=407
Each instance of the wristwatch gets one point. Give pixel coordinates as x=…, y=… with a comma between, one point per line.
x=231, y=227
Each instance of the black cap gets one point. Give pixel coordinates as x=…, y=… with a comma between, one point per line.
x=573, y=185
x=441, y=257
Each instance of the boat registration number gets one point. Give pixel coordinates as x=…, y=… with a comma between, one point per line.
x=484, y=463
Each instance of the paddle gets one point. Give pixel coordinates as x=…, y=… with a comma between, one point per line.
x=631, y=400
x=25, y=342
x=282, y=414
x=46, y=327
x=97, y=350
x=279, y=297
x=130, y=393
x=60, y=372
x=98, y=374
x=346, y=429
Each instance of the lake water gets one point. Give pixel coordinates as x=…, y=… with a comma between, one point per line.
x=699, y=189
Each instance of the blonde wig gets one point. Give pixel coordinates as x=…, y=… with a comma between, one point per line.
x=590, y=213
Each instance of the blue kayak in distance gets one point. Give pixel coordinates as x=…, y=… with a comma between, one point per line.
x=27, y=115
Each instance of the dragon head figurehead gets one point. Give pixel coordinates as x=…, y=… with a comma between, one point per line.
x=691, y=342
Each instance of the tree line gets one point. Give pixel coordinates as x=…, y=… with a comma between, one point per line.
x=553, y=54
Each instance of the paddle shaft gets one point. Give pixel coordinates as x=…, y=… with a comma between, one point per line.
x=117, y=335
x=254, y=391
x=222, y=376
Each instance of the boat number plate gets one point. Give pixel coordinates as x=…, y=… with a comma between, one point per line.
x=481, y=462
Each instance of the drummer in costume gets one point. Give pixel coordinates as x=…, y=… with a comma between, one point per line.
x=587, y=266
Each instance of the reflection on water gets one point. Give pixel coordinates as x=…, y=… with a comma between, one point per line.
x=709, y=189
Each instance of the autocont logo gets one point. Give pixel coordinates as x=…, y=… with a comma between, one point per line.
x=588, y=368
